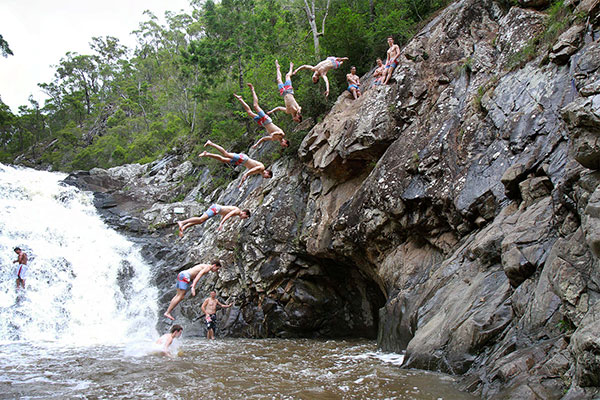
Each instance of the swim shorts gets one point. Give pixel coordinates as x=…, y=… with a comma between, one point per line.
x=213, y=210
x=183, y=280
x=285, y=88
x=263, y=119
x=211, y=322
x=238, y=159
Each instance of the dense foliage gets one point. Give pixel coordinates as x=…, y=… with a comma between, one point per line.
x=175, y=89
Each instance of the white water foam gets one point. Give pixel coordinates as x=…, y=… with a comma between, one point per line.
x=86, y=283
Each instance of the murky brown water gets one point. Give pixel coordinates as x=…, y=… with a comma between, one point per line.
x=222, y=369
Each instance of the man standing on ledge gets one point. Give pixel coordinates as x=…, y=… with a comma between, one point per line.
x=183, y=282
x=21, y=270
x=209, y=308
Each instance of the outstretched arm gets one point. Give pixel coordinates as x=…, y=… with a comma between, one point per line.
x=225, y=218
x=280, y=108
x=252, y=171
x=223, y=305
x=262, y=140
x=303, y=67
x=326, y=84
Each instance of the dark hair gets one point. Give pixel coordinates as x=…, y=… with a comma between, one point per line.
x=352, y=67
x=247, y=212
x=285, y=141
x=17, y=248
x=299, y=117
x=217, y=263
x=268, y=171
x=176, y=328
x=379, y=59
x=390, y=37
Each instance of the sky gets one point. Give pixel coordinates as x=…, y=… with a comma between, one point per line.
x=41, y=32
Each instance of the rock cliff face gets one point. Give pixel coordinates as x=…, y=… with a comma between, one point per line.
x=454, y=214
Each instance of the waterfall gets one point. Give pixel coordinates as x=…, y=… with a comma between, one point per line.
x=86, y=283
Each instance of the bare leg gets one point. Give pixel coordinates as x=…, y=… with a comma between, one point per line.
x=254, y=98
x=279, y=81
x=215, y=156
x=183, y=225
x=218, y=148
x=210, y=334
x=353, y=91
x=288, y=76
x=176, y=300
x=245, y=106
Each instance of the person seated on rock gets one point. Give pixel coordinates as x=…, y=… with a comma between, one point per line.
x=353, y=83
x=378, y=75
x=253, y=167
x=320, y=70
x=391, y=62
x=183, y=282
x=209, y=308
x=225, y=212
x=287, y=91
x=275, y=132
x=165, y=340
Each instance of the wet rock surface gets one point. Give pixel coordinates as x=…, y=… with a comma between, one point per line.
x=454, y=214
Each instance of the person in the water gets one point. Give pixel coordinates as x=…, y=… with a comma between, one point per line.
x=225, y=212
x=209, y=308
x=320, y=70
x=275, y=133
x=235, y=159
x=183, y=282
x=167, y=339
x=21, y=270
x=287, y=91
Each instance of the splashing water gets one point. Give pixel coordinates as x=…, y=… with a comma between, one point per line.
x=86, y=284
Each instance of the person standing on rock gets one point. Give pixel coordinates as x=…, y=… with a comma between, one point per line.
x=353, y=83
x=167, y=339
x=275, y=133
x=235, y=159
x=287, y=91
x=183, y=283
x=391, y=61
x=320, y=70
x=378, y=75
x=225, y=212
x=21, y=270
x=209, y=308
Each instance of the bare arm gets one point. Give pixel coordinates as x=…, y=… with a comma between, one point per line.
x=280, y=108
x=254, y=170
x=225, y=218
x=203, y=307
x=326, y=85
x=197, y=278
x=262, y=140
x=223, y=305
x=303, y=67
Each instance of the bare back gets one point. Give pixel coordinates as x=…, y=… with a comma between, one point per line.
x=227, y=209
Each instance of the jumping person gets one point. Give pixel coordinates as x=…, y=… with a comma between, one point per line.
x=274, y=132
x=393, y=53
x=225, y=212
x=320, y=70
x=183, y=282
x=166, y=339
x=287, y=91
x=379, y=73
x=21, y=270
x=353, y=83
x=235, y=159
x=209, y=308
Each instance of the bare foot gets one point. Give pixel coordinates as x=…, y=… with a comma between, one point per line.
x=203, y=154
x=208, y=143
x=251, y=86
x=180, y=228
x=277, y=63
x=237, y=96
x=169, y=316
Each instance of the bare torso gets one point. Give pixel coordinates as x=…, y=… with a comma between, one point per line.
x=211, y=305
x=196, y=269
x=393, y=53
x=291, y=106
x=253, y=163
x=353, y=79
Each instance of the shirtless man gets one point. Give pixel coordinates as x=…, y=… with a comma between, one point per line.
x=21, y=270
x=209, y=308
x=287, y=91
x=225, y=212
x=353, y=83
x=274, y=132
x=391, y=61
x=320, y=70
x=166, y=339
x=235, y=159
x=379, y=73
x=183, y=282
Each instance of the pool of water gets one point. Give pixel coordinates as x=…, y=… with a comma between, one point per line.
x=221, y=369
